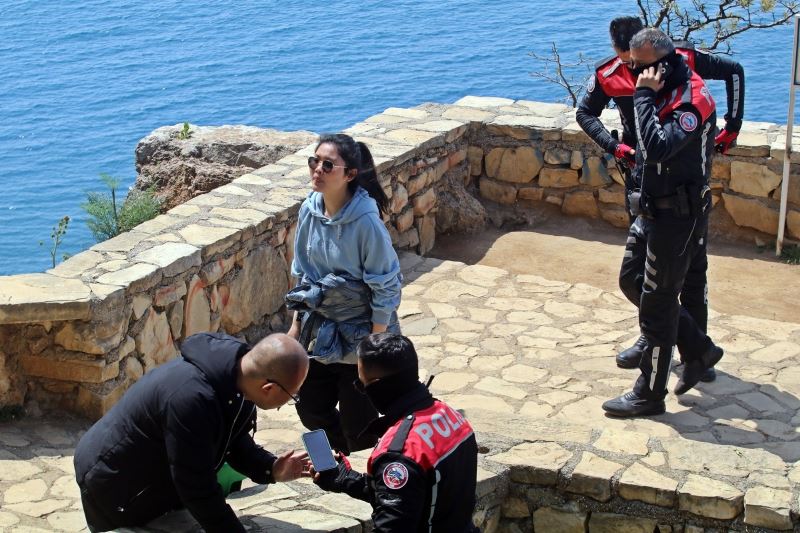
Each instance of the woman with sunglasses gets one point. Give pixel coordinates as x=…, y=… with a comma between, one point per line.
x=348, y=286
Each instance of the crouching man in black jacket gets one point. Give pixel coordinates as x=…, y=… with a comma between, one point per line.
x=160, y=447
x=421, y=475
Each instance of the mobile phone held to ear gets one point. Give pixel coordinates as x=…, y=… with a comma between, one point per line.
x=319, y=450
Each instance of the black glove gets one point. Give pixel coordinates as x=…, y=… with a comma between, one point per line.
x=337, y=479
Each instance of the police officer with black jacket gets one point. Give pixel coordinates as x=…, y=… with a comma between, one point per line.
x=613, y=80
x=674, y=119
x=421, y=475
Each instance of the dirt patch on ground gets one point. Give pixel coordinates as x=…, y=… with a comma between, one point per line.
x=742, y=279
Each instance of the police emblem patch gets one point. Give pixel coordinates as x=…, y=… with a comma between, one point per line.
x=395, y=476
x=590, y=86
x=688, y=121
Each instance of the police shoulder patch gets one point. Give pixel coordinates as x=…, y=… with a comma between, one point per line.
x=395, y=476
x=590, y=85
x=688, y=121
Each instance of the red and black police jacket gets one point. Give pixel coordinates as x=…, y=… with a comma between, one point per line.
x=675, y=131
x=421, y=475
x=613, y=80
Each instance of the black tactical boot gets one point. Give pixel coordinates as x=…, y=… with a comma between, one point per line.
x=693, y=371
x=631, y=404
x=709, y=375
x=630, y=358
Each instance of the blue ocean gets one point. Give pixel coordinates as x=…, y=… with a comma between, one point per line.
x=82, y=82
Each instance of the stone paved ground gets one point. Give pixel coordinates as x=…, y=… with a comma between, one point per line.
x=528, y=359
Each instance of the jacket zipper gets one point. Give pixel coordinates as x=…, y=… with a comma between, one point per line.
x=227, y=443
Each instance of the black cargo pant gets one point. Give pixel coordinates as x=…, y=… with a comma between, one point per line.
x=693, y=294
x=324, y=388
x=675, y=248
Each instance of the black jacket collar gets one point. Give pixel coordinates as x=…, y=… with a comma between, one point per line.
x=417, y=398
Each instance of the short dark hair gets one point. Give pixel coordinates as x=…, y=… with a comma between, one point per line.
x=387, y=354
x=660, y=41
x=622, y=29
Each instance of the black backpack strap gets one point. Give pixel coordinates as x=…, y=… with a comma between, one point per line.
x=399, y=439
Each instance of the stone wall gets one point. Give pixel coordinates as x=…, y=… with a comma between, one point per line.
x=78, y=335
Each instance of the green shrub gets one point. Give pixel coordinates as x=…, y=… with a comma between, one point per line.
x=56, y=238
x=107, y=220
x=791, y=255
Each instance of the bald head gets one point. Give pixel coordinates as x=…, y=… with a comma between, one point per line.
x=277, y=357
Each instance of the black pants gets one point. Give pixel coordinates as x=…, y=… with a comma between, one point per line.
x=675, y=248
x=326, y=386
x=693, y=294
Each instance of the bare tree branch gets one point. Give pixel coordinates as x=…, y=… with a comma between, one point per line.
x=572, y=83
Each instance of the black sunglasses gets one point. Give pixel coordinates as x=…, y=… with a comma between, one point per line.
x=295, y=399
x=327, y=166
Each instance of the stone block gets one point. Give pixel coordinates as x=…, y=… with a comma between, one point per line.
x=524, y=127
x=616, y=176
x=515, y=508
x=721, y=170
x=576, y=160
x=563, y=521
x=466, y=114
x=417, y=183
x=94, y=401
x=475, y=156
x=751, y=144
x=530, y=194
x=751, y=213
x=405, y=220
x=211, y=240
x=595, y=173
x=418, y=138
x=84, y=371
x=77, y=264
x=137, y=278
x=710, y=498
x=613, y=195
x=416, y=114
x=141, y=303
x=592, y=477
x=793, y=196
x=197, y=311
x=427, y=232
x=753, y=179
x=642, y=484
x=558, y=156
x=124, y=242
x=554, y=199
x=535, y=463
x=618, y=523
x=175, y=318
x=256, y=291
x=133, y=368
x=409, y=239
x=173, y=257
x=793, y=223
x=573, y=133
x=580, y=203
x=305, y=520
x=37, y=297
x=487, y=102
x=768, y=507
x=399, y=198
x=97, y=337
x=558, y=177
x=514, y=165
x=155, y=342
x=170, y=294
x=424, y=202
x=498, y=192
x=455, y=158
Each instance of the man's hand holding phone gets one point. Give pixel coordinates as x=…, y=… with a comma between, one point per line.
x=651, y=78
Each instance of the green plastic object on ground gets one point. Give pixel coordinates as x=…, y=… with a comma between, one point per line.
x=229, y=479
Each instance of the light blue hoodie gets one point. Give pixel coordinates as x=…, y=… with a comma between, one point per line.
x=354, y=243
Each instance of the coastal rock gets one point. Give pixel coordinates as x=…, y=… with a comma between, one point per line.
x=457, y=211
x=181, y=169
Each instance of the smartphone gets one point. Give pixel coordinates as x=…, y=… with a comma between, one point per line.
x=319, y=450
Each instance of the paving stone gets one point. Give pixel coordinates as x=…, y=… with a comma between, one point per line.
x=768, y=507
x=642, y=484
x=536, y=410
x=482, y=315
x=612, y=316
x=563, y=309
x=65, y=487
x=654, y=459
x=776, y=352
x=536, y=342
x=12, y=468
x=552, y=333
x=529, y=318
x=67, y=521
x=452, y=381
x=259, y=494
x=542, y=354
x=513, y=304
x=344, y=505
x=761, y=402
x=535, y=463
x=710, y=498
x=508, y=330
x=455, y=362
x=461, y=349
x=622, y=442
x=490, y=363
x=460, y=324
x=8, y=519
x=557, y=397
x=592, y=477
x=728, y=412
x=38, y=508
x=776, y=481
x=741, y=343
x=498, y=386
x=27, y=491
x=523, y=374
x=494, y=345
x=421, y=326
x=470, y=402
x=13, y=439
x=306, y=520
x=441, y=311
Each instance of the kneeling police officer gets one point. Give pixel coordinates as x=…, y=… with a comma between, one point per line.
x=421, y=475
